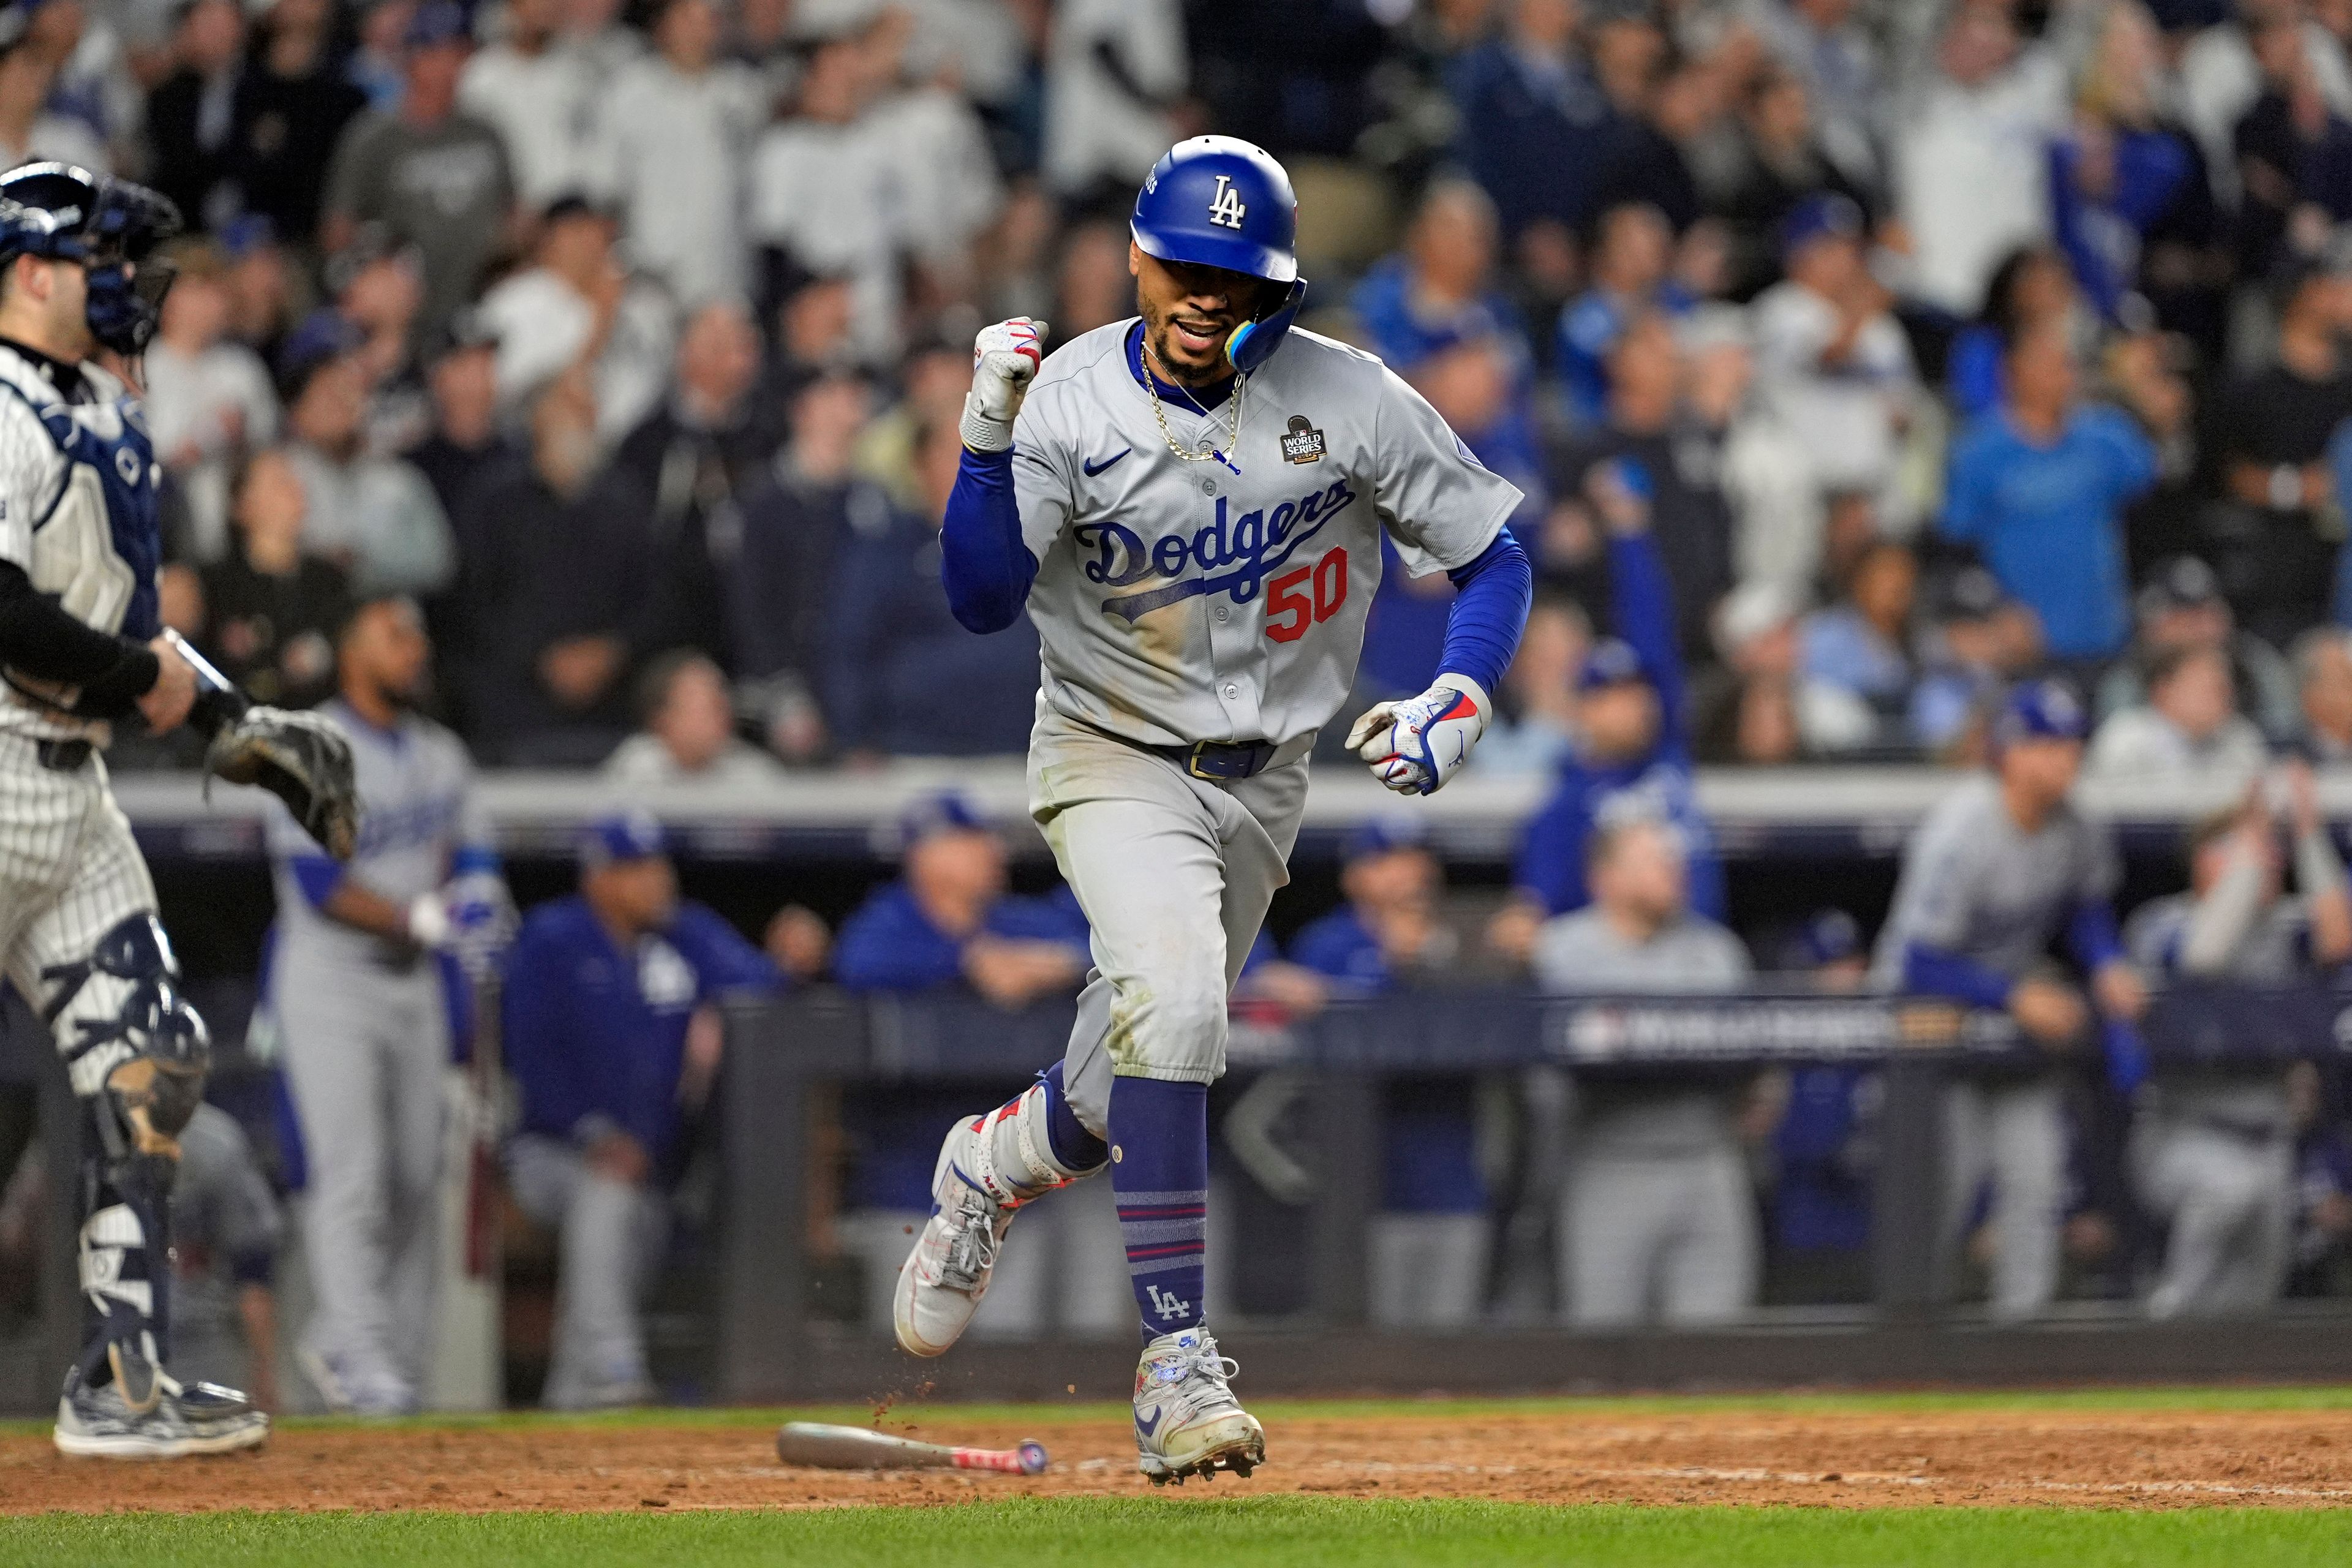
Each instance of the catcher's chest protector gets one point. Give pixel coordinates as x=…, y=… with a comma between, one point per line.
x=97, y=542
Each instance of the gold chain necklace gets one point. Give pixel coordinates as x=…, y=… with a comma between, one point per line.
x=1208, y=453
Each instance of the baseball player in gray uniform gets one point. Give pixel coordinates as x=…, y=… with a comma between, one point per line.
x=358, y=993
x=80, y=651
x=2215, y=1149
x=1658, y=1203
x=1191, y=507
x=2001, y=869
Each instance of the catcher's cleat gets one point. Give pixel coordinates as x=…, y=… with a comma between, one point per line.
x=199, y=1418
x=1186, y=1421
x=974, y=1195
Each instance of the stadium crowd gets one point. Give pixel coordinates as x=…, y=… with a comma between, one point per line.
x=1861, y=362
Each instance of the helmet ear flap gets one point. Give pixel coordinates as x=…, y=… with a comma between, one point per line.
x=1254, y=341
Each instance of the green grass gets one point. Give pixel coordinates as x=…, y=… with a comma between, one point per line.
x=1270, y=1533
x=1064, y=1413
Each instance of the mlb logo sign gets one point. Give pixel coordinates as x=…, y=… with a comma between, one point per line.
x=1302, y=443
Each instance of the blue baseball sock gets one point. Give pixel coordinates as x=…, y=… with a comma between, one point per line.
x=1159, y=1172
x=1073, y=1145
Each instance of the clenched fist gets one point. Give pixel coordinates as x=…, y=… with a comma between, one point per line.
x=1414, y=747
x=1005, y=360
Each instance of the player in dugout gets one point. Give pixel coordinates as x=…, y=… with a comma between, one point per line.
x=1999, y=870
x=611, y=1034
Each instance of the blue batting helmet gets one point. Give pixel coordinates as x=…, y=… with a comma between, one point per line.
x=62, y=213
x=1216, y=201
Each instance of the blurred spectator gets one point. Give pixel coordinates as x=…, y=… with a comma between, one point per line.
x=1781, y=162
x=612, y=1033
x=465, y=439
x=2123, y=173
x=265, y=296
x=674, y=127
x=1632, y=757
x=292, y=109
x=575, y=305
x=434, y=175
x=191, y=113
x=2037, y=486
x=1429, y=1243
x=1658, y=1207
x=29, y=130
x=1825, y=46
x=378, y=285
x=1749, y=709
x=1115, y=81
x=901, y=678
x=1978, y=640
x=272, y=613
x=2181, y=606
x=1646, y=449
x=226, y=1227
x=1535, y=127
x=1093, y=289
x=1536, y=729
x=208, y=399
x=1971, y=169
x=1631, y=251
x=2033, y=287
x=1861, y=645
x=541, y=98
x=2215, y=1155
x=694, y=455
x=376, y=517
x=2276, y=545
x=555, y=592
x=2221, y=76
x=2294, y=152
x=2323, y=668
x=1828, y=356
x=687, y=733
x=796, y=519
x=2000, y=868
x=2188, y=729
x=823, y=198
x=2323, y=1184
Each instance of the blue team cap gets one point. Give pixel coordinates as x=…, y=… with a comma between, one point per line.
x=623, y=835
x=437, y=22
x=1385, y=836
x=1828, y=937
x=949, y=811
x=2041, y=711
x=241, y=236
x=1612, y=662
x=1825, y=217
x=325, y=335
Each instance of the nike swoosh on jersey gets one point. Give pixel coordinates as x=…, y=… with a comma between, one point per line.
x=1094, y=469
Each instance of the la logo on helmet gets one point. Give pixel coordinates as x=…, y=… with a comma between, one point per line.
x=1226, y=207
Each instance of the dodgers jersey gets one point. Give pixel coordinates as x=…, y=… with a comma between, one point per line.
x=1224, y=600
x=418, y=815
x=77, y=482
x=1976, y=886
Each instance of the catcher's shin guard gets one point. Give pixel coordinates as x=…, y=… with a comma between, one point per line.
x=137, y=1055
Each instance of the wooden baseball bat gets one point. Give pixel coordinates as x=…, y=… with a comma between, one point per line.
x=827, y=1448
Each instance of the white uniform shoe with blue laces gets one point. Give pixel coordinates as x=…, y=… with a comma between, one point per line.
x=1186, y=1421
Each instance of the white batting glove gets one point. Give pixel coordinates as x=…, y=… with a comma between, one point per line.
x=1005, y=360
x=472, y=915
x=1414, y=746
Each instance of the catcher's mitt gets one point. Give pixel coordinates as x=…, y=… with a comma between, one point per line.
x=303, y=759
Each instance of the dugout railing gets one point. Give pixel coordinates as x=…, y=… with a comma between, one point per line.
x=785, y=1058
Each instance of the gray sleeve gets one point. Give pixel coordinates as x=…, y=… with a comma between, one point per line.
x=1936, y=902
x=2101, y=871
x=1042, y=487
x=1441, y=505
x=354, y=178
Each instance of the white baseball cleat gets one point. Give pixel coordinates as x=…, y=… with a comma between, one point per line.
x=202, y=1418
x=1186, y=1421
x=941, y=1282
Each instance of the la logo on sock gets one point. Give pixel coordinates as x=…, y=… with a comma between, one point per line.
x=1168, y=1305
